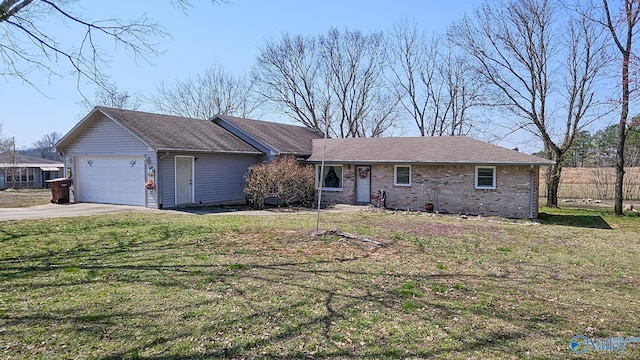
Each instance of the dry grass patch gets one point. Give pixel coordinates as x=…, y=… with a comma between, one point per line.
x=24, y=197
x=149, y=286
x=594, y=183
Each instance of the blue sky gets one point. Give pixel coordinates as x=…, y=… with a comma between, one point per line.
x=223, y=34
x=228, y=34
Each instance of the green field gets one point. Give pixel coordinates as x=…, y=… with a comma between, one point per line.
x=159, y=286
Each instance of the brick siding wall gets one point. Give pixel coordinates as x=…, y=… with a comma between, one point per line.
x=450, y=188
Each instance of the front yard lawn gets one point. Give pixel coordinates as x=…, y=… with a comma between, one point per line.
x=160, y=286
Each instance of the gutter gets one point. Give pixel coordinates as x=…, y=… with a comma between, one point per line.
x=392, y=162
x=159, y=183
x=212, y=151
x=531, y=192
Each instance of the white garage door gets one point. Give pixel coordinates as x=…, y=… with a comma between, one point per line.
x=109, y=179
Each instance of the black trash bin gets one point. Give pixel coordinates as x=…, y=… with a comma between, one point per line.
x=59, y=190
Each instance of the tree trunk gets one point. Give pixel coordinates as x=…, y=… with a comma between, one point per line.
x=553, y=182
x=631, y=20
x=622, y=126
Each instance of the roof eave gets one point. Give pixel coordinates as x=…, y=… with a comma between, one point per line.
x=25, y=165
x=71, y=134
x=211, y=151
x=291, y=153
x=256, y=143
x=389, y=162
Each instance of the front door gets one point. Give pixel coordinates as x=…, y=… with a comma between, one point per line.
x=184, y=180
x=363, y=184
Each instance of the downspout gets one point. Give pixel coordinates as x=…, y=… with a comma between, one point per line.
x=531, y=192
x=159, y=183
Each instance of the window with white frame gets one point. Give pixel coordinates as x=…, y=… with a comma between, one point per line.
x=402, y=175
x=485, y=177
x=19, y=175
x=331, y=177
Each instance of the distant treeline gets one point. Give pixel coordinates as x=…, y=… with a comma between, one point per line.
x=599, y=149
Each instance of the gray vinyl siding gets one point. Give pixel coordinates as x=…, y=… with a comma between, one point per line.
x=220, y=178
x=105, y=137
x=167, y=178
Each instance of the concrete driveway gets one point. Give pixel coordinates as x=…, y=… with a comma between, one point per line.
x=65, y=210
x=88, y=209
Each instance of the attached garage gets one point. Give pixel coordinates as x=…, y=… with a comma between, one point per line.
x=110, y=179
x=127, y=157
x=137, y=158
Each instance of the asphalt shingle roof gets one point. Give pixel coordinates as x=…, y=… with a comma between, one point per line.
x=167, y=132
x=7, y=159
x=420, y=150
x=284, y=138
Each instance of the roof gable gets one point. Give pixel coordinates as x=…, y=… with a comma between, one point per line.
x=420, y=150
x=275, y=138
x=166, y=132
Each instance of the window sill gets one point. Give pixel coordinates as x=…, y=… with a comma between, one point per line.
x=331, y=189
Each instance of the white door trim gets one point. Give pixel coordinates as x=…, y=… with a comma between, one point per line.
x=362, y=185
x=175, y=166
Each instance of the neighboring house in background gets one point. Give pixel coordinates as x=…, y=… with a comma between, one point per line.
x=453, y=174
x=159, y=161
x=18, y=171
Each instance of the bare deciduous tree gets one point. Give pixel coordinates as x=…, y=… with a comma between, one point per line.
x=45, y=147
x=288, y=75
x=353, y=64
x=462, y=91
x=436, y=86
x=9, y=156
x=112, y=97
x=411, y=70
x=334, y=80
x=214, y=92
x=539, y=69
x=26, y=44
x=621, y=24
x=5, y=143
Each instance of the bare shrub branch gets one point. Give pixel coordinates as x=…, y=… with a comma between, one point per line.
x=283, y=179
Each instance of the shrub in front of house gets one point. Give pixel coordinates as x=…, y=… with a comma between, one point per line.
x=282, y=182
